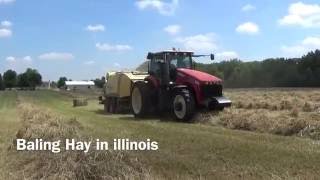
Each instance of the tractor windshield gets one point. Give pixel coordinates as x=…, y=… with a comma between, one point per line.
x=180, y=61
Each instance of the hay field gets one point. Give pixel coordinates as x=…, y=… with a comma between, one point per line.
x=258, y=138
x=286, y=111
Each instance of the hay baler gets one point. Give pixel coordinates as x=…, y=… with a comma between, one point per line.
x=171, y=85
x=117, y=90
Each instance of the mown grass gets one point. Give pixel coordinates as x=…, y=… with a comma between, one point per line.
x=276, y=111
x=41, y=123
x=8, y=126
x=192, y=151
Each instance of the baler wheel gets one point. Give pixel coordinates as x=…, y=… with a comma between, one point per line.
x=140, y=99
x=106, y=106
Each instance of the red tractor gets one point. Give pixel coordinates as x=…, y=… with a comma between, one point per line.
x=173, y=85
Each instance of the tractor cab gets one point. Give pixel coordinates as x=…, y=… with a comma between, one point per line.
x=173, y=58
x=163, y=65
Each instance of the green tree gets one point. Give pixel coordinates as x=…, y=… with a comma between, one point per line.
x=22, y=81
x=1, y=83
x=310, y=64
x=100, y=82
x=272, y=72
x=10, y=79
x=61, y=82
x=34, y=78
x=29, y=79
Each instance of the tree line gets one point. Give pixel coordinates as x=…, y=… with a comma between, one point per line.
x=273, y=72
x=27, y=80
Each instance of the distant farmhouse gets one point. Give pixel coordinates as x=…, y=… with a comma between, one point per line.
x=79, y=85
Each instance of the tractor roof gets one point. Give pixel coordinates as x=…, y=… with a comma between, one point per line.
x=160, y=53
x=172, y=51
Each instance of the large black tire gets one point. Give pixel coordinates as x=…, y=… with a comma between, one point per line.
x=183, y=105
x=106, y=106
x=141, y=99
x=109, y=105
x=114, y=105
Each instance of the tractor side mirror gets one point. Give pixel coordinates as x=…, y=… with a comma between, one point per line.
x=212, y=57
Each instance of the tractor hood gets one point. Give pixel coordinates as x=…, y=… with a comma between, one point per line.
x=198, y=75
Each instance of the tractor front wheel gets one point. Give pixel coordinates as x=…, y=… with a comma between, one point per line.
x=183, y=105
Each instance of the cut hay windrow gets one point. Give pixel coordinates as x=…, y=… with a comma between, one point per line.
x=38, y=123
x=80, y=102
x=276, y=112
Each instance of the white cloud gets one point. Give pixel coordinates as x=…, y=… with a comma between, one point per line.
x=6, y=24
x=293, y=51
x=110, y=47
x=19, y=64
x=301, y=14
x=11, y=59
x=248, y=7
x=95, y=28
x=117, y=65
x=164, y=8
x=56, y=56
x=308, y=44
x=27, y=59
x=227, y=55
x=312, y=41
x=172, y=29
x=5, y=33
x=6, y=1
x=248, y=28
x=200, y=43
x=89, y=62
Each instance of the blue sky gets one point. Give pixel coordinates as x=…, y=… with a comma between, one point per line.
x=82, y=39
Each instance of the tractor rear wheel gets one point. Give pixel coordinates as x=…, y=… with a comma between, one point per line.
x=140, y=99
x=183, y=105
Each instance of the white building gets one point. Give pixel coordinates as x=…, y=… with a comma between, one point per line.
x=79, y=85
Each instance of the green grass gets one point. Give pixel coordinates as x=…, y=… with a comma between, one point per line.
x=8, y=116
x=9, y=124
x=185, y=150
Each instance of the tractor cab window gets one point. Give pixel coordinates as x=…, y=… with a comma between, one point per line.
x=180, y=61
x=155, y=66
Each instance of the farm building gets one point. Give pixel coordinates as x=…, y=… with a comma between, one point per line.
x=79, y=85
